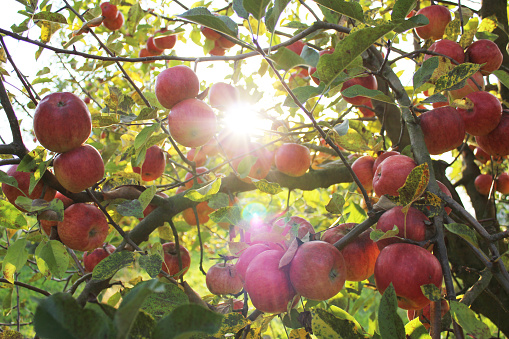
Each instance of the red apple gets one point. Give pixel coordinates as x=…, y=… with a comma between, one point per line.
x=470, y=87
x=23, y=178
x=145, y=53
x=246, y=256
x=269, y=286
x=411, y=226
x=62, y=122
x=87, y=100
x=367, y=81
x=151, y=47
x=84, y=227
x=445, y=190
x=296, y=47
x=366, y=112
x=199, y=157
x=425, y=314
x=485, y=52
x=79, y=169
x=171, y=261
x=114, y=24
x=502, y=183
x=439, y=17
x=222, y=278
x=312, y=70
x=153, y=165
x=360, y=255
x=109, y=11
x=261, y=167
x=483, y=183
x=484, y=115
x=294, y=224
x=152, y=207
x=440, y=104
x=381, y=157
x=224, y=43
x=217, y=50
x=223, y=96
x=209, y=33
x=481, y=155
x=199, y=179
x=391, y=174
x=46, y=225
x=408, y=267
x=496, y=143
x=90, y=260
x=293, y=159
x=176, y=84
x=192, y=123
x=317, y=270
x=165, y=41
x=443, y=129
x=363, y=169
x=447, y=47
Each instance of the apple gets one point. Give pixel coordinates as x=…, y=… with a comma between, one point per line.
x=217, y=50
x=484, y=115
x=483, y=183
x=202, y=209
x=46, y=225
x=145, y=53
x=222, y=278
x=317, y=270
x=485, y=52
x=151, y=47
x=293, y=159
x=261, y=167
x=23, y=179
x=192, y=123
x=408, y=267
x=366, y=81
x=296, y=47
x=79, y=169
x=176, y=84
x=151, y=207
x=366, y=112
x=425, y=314
x=445, y=190
x=502, y=183
x=109, y=11
x=439, y=17
x=440, y=104
x=153, y=165
x=447, y=47
x=294, y=224
x=199, y=179
x=114, y=24
x=246, y=256
x=391, y=174
x=269, y=286
x=62, y=122
x=470, y=87
x=496, y=143
x=411, y=226
x=84, y=227
x=90, y=260
x=360, y=255
x=443, y=129
x=363, y=169
x=224, y=43
x=171, y=261
x=312, y=70
x=381, y=157
x=199, y=157
x=223, y=96
x=481, y=155
x=165, y=41
x=209, y=33
x=87, y=100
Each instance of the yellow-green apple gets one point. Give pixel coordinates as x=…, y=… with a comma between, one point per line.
x=486, y=53
x=317, y=270
x=115, y=23
x=209, y=33
x=312, y=70
x=391, y=174
x=293, y=159
x=381, y=157
x=171, y=261
x=425, y=314
x=483, y=115
x=84, y=227
x=261, y=167
x=366, y=81
x=90, y=260
x=164, y=41
x=151, y=47
x=199, y=157
x=443, y=129
x=363, y=169
x=483, y=183
x=192, y=123
x=481, y=155
x=439, y=17
x=411, y=225
x=79, y=169
x=223, y=96
x=246, y=256
x=176, y=84
x=108, y=10
x=268, y=285
x=473, y=84
x=502, y=183
x=447, y=47
x=151, y=207
x=496, y=143
x=153, y=165
x=360, y=255
x=222, y=278
x=408, y=267
x=62, y=122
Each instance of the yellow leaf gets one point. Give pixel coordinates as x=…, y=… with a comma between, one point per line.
x=488, y=24
x=298, y=333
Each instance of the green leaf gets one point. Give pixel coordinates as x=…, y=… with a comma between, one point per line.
x=14, y=259
x=336, y=204
x=286, y=59
x=327, y=325
x=245, y=165
x=273, y=14
x=5, y=178
x=55, y=256
x=134, y=17
x=416, y=330
x=21, y=27
x=104, y=120
x=205, y=192
x=143, y=326
x=415, y=21
x=11, y=217
x=220, y=23
x=267, y=187
x=425, y=72
x=147, y=113
x=357, y=90
x=147, y=195
x=389, y=322
x=303, y=93
x=239, y=9
x=107, y=267
x=232, y=323
x=144, y=134
x=131, y=208
x=351, y=9
x=256, y=7
x=456, y=77
x=60, y=316
x=437, y=97
x=503, y=76
x=378, y=234
x=467, y=319
x=415, y=185
x=52, y=17
x=356, y=214
x=463, y=231
x=162, y=302
x=229, y=214
x=402, y=8
x=431, y=292
x=151, y=264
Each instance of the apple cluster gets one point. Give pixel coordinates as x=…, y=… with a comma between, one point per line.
x=113, y=18
x=221, y=43
x=156, y=44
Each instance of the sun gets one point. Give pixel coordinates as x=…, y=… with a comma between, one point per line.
x=244, y=118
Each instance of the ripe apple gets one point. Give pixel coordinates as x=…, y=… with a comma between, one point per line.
x=439, y=17
x=199, y=179
x=90, y=260
x=391, y=174
x=440, y=104
x=151, y=47
x=261, y=167
x=447, y=47
x=176, y=84
x=312, y=70
x=444, y=189
x=293, y=159
x=246, y=256
x=209, y=33
x=381, y=157
x=223, y=96
x=484, y=115
x=192, y=123
x=171, y=261
x=165, y=41
x=222, y=278
x=224, y=43
x=366, y=112
x=296, y=47
x=483, y=183
x=470, y=87
x=443, y=129
x=62, y=122
x=411, y=226
x=84, y=227
x=269, y=286
x=367, y=81
x=360, y=255
x=79, y=169
x=502, y=183
x=363, y=169
x=485, y=52
x=217, y=50
x=300, y=225
x=199, y=157
x=109, y=11
x=114, y=24
x=145, y=53
x=46, y=225
x=23, y=179
x=496, y=143
x=317, y=270
x=153, y=165
x=481, y=155
x=152, y=207
x=202, y=209
x=425, y=314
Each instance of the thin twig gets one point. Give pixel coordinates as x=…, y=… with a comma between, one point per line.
x=27, y=286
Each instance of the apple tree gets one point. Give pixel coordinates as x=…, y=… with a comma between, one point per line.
x=254, y=168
